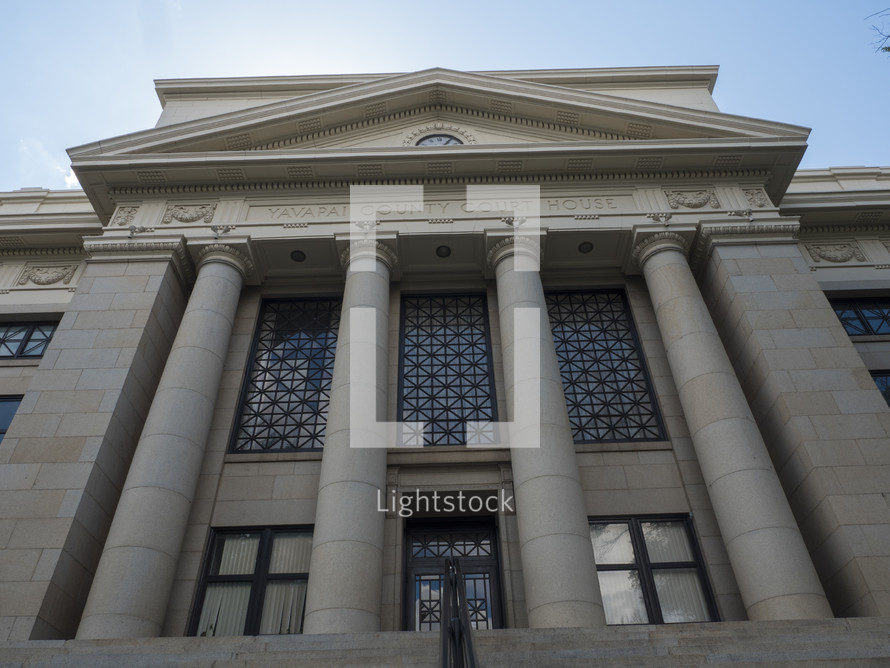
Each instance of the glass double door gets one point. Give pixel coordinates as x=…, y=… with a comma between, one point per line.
x=428, y=546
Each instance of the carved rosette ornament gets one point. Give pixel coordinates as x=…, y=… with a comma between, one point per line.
x=438, y=126
x=188, y=214
x=837, y=253
x=692, y=199
x=124, y=215
x=43, y=275
x=756, y=197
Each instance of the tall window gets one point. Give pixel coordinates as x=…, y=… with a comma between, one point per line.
x=284, y=404
x=8, y=407
x=25, y=339
x=607, y=389
x=882, y=380
x=650, y=571
x=863, y=316
x=445, y=374
x=254, y=583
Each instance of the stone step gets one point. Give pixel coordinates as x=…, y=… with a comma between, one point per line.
x=837, y=643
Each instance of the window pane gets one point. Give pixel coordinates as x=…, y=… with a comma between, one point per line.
x=667, y=542
x=290, y=553
x=877, y=316
x=283, y=607
x=612, y=544
x=607, y=391
x=680, y=596
x=427, y=590
x=623, y=597
x=11, y=337
x=479, y=599
x=225, y=609
x=285, y=404
x=38, y=340
x=236, y=554
x=8, y=407
x=445, y=369
x=882, y=380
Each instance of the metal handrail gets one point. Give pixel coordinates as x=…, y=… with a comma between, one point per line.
x=455, y=633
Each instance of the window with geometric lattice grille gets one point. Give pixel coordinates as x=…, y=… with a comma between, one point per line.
x=607, y=389
x=445, y=369
x=284, y=403
x=25, y=339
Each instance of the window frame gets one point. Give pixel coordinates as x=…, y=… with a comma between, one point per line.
x=488, y=354
x=31, y=327
x=645, y=568
x=251, y=361
x=258, y=579
x=17, y=398
x=644, y=365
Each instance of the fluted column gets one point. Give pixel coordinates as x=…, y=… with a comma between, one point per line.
x=772, y=566
x=346, y=569
x=559, y=571
x=135, y=575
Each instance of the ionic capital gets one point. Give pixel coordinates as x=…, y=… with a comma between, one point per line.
x=526, y=245
x=657, y=242
x=227, y=255
x=369, y=248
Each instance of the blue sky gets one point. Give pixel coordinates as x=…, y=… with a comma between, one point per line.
x=77, y=72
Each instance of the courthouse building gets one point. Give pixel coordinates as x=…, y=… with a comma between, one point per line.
x=262, y=374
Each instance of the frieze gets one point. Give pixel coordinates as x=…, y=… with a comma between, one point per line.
x=836, y=253
x=44, y=275
x=188, y=214
x=756, y=197
x=124, y=215
x=692, y=199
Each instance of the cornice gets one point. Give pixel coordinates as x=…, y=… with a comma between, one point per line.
x=103, y=250
x=811, y=230
x=780, y=232
x=213, y=188
x=42, y=252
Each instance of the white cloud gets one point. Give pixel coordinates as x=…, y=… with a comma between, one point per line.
x=40, y=167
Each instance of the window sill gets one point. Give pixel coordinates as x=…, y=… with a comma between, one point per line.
x=632, y=446
x=21, y=361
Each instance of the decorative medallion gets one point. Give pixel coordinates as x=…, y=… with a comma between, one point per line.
x=124, y=215
x=188, y=214
x=692, y=199
x=47, y=275
x=836, y=253
x=438, y=128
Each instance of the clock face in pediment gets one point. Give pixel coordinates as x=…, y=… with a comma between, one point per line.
x=439, y=140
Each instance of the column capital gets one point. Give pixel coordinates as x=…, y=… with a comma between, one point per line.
x=228, y=255
x=657, y=242
x=369, y=248
x=527, y=245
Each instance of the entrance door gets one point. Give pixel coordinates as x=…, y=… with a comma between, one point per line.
x=429, y=544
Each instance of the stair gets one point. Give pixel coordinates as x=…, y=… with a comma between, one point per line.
x=834, y=642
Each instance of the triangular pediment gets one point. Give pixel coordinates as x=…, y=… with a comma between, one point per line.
x=502, y=111
x=509, y=127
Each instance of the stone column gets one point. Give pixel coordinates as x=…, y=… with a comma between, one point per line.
x=773, y=568
x=346, y=568
x=129, y=595
x=561, y=585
